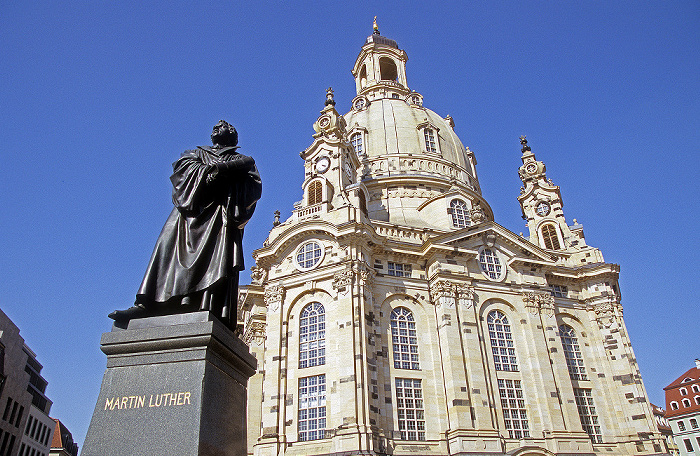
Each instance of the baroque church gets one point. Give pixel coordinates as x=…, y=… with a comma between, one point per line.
x=391, y=314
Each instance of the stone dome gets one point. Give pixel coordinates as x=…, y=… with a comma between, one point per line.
x=397, y=133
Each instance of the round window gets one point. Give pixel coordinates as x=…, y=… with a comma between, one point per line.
x=308, y=255
x=491, y=265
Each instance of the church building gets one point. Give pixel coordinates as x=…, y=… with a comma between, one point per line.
x=391, y=314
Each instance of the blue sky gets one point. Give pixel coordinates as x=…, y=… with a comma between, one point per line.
x=98, y=98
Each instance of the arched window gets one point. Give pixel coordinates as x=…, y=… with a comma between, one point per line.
x=572, y=353
x=501, y=342
x=697, y=400
x=696, y=388
x=430, y=144
x=674, y=405
x=363, y=76
x=684, y=391
x=490, y=264
x=387, y=69
x=312, y=336
x=686, y=402
x=315, y=192
x=404, y=339
x=363, y=201
x=460, y=213
x=356, y=141
x=549, y=236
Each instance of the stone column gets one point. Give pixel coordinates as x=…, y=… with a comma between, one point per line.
x=174, y=384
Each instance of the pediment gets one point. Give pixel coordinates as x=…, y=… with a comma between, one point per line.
x=471, y=239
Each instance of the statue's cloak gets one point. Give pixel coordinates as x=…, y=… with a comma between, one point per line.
x=200, y=243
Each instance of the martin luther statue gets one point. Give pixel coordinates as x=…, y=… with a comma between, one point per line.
x=199, y=253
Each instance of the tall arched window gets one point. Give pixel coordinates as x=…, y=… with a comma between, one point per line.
x=404, y=339
x=315, y=192
x=572, y=353
x=460, y=213
x=312, y=336
x=549, y=236
x=356, y=141
x=501, y=342
x=491, y=264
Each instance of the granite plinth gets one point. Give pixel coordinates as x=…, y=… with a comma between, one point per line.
x=174, y=384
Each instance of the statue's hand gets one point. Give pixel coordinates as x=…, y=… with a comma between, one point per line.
x=212, y=173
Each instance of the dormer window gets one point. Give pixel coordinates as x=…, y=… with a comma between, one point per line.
x=315, y=193
x=430, y=143
x=549, y=237
x=684, y=391
x=356, y=141
x=460, y=213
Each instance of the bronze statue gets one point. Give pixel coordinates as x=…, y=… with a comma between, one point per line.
x=199, y=253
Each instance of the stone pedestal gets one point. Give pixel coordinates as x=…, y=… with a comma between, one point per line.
x=174, y=385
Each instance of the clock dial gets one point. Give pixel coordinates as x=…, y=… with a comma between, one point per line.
x=531, y=168
x=322, y=165
x=542, y=209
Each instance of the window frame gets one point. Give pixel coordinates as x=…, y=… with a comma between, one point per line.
x=461, y=216
x=551, y=235
x=513, y=408
x=317, y=260
x=500, y=266
x=587, y=414
x=507, y=348
x=314, y=192
x=404, y=339
x=315, y=319
x=320, y=412
x=572, y=353
x=410, y=403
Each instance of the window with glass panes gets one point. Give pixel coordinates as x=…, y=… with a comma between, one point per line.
x=409, y=408
x=502, y=345
x=588, y=414
x=572, y=353
x=399, y=270
x=404, y=339
x=356, y=141
x=560, y=291
x=309, y=254
x=430, y=145
x=490, y=264
x=460, y=213
x=312, y=407
x=513, y=405
x=312, y=336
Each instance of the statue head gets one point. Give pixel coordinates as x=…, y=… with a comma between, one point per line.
x=223, y=134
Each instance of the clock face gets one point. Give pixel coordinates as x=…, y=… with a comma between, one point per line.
x=322, y=165
x=531, y=168
x=542, y=209
x=324, y=122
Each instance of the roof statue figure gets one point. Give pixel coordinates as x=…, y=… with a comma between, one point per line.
x=198, y=255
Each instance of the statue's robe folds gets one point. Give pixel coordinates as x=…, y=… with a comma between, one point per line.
x=200, y=245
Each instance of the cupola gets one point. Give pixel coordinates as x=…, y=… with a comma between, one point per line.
x=380, y=69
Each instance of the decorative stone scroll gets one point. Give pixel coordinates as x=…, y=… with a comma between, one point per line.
x=443, y=293
x=274, y=294
x=257, y=275
x=477, y=215
x=254, y=332
x=342, y=280
x=539, y=302
x=465, y=295
x=606, y=313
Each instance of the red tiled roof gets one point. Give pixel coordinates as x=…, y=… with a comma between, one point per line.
x=693, y=373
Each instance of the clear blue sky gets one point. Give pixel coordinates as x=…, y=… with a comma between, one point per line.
x=98, y=98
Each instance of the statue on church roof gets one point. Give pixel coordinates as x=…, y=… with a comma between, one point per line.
x=199, y=253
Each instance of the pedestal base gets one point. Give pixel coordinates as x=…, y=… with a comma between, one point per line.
x=174, y=385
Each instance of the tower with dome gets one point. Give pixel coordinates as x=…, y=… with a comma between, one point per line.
x=391, y=314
